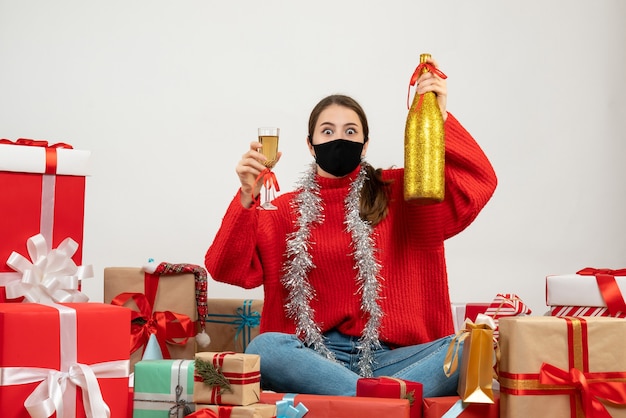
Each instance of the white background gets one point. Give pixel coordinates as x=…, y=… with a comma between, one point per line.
x=168, y=94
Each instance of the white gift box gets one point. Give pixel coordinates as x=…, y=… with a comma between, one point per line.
x=32, y=159
x=577, y=290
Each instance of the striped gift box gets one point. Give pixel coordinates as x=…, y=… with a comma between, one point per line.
x=583, y=311
x=506, y=304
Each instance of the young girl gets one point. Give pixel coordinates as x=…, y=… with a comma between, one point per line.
x=354, y=276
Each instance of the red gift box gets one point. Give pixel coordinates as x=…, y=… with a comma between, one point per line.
x=63, y=349
x=473, y=309
x=463, y=311
x=388, y=387
x=322, y=406
x=439, y=406
x=43, y=191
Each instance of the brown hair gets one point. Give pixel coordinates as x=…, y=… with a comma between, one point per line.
x=375, y=193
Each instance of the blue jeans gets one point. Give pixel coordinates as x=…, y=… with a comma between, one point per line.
x=288, y=366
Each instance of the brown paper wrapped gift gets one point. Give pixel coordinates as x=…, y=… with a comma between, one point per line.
x=562, y=367
x=476, y=371
x=227, y=378
x=256, y=410
x=175, y=293
x=232, y=323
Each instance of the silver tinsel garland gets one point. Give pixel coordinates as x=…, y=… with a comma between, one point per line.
x=308, y=205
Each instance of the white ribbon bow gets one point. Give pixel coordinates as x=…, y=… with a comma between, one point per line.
x=49, y=277
x=47, y=398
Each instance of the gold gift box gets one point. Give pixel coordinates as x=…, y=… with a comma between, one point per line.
x=591, y=346
x=232, y=323
x=243, y=372
x=175, y=293
x=257, y=410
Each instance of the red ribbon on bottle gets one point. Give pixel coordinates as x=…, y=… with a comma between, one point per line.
x=608, y=287
x=166, y=325
x=51, y=150
x=416, y=75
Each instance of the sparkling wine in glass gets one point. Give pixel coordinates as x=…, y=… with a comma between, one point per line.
x=268, y=137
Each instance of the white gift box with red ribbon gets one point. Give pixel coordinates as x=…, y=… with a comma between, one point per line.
x=589, y=292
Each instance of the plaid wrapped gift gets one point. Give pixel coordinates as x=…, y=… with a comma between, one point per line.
x=227, y=378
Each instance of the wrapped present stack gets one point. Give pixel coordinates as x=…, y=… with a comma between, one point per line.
x=169, y=301
x=43, y=193
x=59, y=354
x=588, y=292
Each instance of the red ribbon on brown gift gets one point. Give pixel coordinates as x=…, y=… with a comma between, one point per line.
x=166, y=325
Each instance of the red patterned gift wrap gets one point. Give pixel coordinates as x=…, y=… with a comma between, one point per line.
x=439, y=406
x=43, y=191
x=584, y=311
x=562, y=367
x=321, y=406
x=63, y=358
x=390, y=387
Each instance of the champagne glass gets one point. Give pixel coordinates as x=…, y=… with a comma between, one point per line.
x=268, y=137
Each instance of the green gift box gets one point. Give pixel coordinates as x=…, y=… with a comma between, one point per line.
x=163, y=388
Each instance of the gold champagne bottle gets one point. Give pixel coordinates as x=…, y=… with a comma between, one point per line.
x=424, y=148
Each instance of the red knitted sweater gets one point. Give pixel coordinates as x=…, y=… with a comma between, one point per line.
x=248, y=251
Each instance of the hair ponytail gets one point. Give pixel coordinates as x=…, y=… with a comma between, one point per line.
x=374, y=196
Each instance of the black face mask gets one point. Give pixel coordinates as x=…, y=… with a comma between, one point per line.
x=338, y=157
